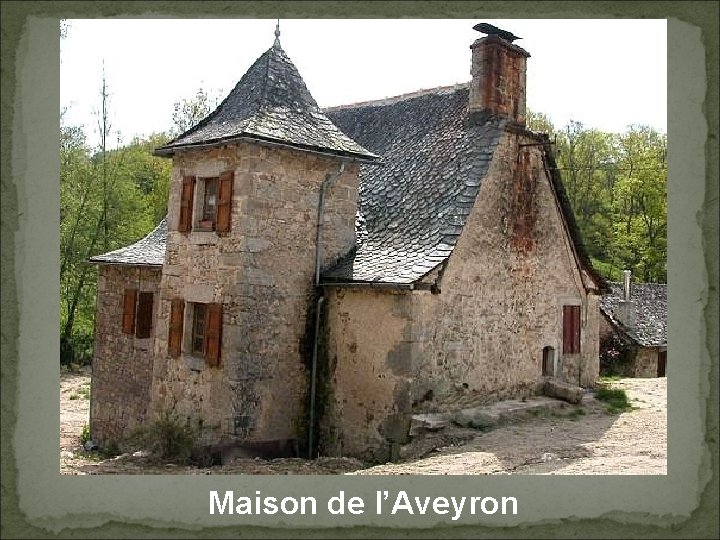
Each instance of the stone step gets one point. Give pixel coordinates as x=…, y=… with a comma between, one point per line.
x=485, y=417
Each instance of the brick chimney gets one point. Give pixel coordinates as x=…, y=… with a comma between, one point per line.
x=498, y=78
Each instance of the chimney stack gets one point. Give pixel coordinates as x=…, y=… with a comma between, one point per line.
x=626, y=307
x=498, y=78
x=626, y=285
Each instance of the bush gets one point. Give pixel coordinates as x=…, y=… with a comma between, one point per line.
x=167, y=439
x=616, y=399
x=616, y=356
x=85, y=435
x=77, y=350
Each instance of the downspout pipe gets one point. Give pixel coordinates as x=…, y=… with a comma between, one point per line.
x=327, y=183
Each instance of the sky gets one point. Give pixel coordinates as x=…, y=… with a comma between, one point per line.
x=606, y=73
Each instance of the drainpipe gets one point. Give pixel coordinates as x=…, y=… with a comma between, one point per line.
x=329, y=180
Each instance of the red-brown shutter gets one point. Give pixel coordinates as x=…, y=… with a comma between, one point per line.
x=576, y=329
x=224, y=205
x=177, y=311
x=143, y=328
x=186, y=204
x=571, y=329
x=213, y=334
x=128, y=318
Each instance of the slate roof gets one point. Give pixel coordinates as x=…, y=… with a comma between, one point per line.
x=270, y=103
x=412, y=210
x=149, y=251
x=650, y=302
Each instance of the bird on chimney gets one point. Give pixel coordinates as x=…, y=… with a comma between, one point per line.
x=491, y=30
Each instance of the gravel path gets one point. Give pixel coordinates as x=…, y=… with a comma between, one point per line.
x=634, y=442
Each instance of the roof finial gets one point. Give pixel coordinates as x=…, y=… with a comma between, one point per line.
x=277, y=34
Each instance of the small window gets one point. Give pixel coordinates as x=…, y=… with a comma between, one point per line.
x=571, y=329
x=137, y=315
x=210, y=200
x=198, y=330
x=206, y=203
x=206, y=212
x=204, y=331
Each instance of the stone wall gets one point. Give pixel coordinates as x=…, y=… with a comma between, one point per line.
x=367, y=386
x=501, y=303
x=504, y=289
x=122, y=363
x=262, y=272
x=646, y=362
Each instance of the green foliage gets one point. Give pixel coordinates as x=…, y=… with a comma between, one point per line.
x=107, y=200
x=616, y=399
x=188, y=112
x=85, y=435
x=84, y=392
x=167, y=439
x=617, y=186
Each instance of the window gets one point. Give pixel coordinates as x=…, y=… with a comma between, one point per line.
x=198, y=330
x=137, y=313
x=206, y=203
x=571, y=329
x=209, y=202
x=204, y=331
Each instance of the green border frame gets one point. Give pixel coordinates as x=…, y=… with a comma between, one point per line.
x=34, y=496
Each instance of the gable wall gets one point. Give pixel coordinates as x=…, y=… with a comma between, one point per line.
x=262, y=272
x=503, y=291
x=122, y=363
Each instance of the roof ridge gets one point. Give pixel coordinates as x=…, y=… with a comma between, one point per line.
x=438, y=90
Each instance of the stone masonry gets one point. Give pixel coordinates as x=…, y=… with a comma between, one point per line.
x=263, y=273
x=500, y=305
x=122, y=367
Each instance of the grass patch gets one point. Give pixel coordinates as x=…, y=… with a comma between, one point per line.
x=607, y=379
x=616, y=399
x=576, y=413
x=84, y=392
x=73, y=397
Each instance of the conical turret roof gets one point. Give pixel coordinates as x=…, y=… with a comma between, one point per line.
x=270, y=103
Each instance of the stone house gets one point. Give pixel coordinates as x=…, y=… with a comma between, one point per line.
x=635, y=315
x=323, y=274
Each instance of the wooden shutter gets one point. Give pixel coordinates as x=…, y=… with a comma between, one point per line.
x=175, y=334
x=143, y=328
x=186, y=204
x=213, y=334
x=224, y=204
x=128, y=317
x=571, y=329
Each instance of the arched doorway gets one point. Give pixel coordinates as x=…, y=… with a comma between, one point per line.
x=548, y=362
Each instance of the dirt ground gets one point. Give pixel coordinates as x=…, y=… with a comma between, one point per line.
x=594, y=442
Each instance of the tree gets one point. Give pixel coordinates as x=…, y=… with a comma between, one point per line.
x=586, y=160
x=539, y=122
x=616, y=184
x=109, y=199
x=188, y=112
x=640, y=204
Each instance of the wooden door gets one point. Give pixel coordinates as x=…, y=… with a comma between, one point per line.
x=662, y=363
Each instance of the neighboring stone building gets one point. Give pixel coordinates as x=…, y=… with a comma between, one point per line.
x=635, y=321
x=321, y=275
